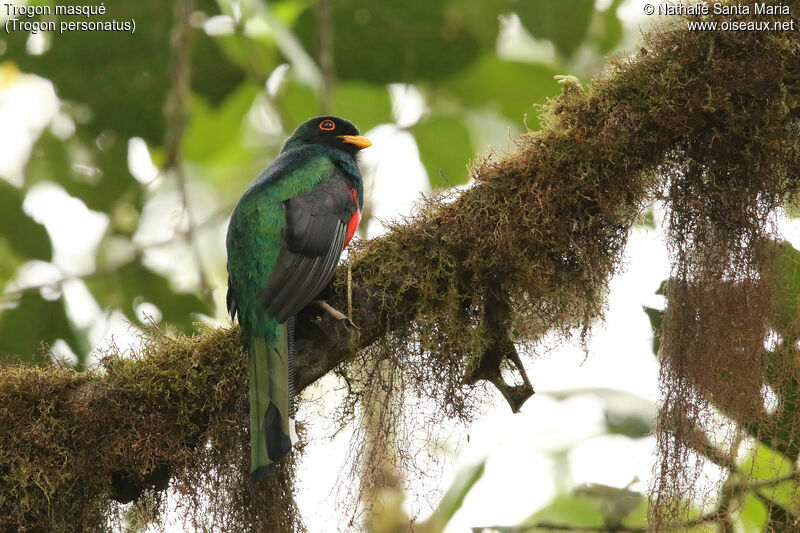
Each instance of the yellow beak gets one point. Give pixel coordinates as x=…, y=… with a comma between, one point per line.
x=358, y=140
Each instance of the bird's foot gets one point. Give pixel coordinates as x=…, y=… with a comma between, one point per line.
x=325, y=307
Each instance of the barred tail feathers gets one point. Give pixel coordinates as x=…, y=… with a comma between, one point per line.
x=272, y=431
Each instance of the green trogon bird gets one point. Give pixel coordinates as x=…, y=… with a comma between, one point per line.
x=285, y=237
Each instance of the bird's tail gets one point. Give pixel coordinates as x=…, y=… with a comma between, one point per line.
x=272, y=431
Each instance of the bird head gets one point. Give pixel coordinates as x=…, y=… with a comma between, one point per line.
x=333, y=131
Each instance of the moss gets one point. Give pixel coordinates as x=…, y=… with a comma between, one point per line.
x=175, y=411
x=705, y=121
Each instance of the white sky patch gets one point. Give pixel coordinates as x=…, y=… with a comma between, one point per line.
x=588, y=460
x=276, y=79
x=161, y=234
x=219, y=25
x=29, y=103
x=263, y=118
x=632, y=14
x=489, y=131
x=771, y=400
x=140, y=163
x=114, y=330
x=82, y=308
x=147, y=312
x=162, y=216
x=772, y=340
x=322, y=463
x=62, y=352
x=62, y=126
x=517, y=480
x=515, y=43
x=394, y=174
x=38, y=273
x=37, y=43
x=789, y=228
x=408, y=104
x=74, y=229
x=620, y=350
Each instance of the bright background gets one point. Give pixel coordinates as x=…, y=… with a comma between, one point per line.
x=83, y=149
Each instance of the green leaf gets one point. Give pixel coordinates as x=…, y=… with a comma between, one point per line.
x=564, y=22
x=364, y=104
x=297, y=103
x=93, y=169
x=386, y=42
x=569, y=510
x=213, y=77
x=20, y=233
x=648, y=219
x=606, y=30
x=453, y=498
x=482, y=18
x=445, y=149
x=767, y=464
x=256, y=55
x=656, y=317
x=214, y=139
x=32, y=322
x=592, y=505
x=753, y=515
x=510, y=87
x=213, y=136
x=9, y=262
x=787, y=293
x=614, y=503
x=638, y=517
x=134, y=283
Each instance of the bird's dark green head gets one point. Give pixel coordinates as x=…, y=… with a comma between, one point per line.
x=333, y=131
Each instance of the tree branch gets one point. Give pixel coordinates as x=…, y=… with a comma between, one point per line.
x=546, y=224
x=177, y=111
x=543, y=226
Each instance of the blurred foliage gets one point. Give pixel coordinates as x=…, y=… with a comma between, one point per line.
x=43, y=322
x=255, y=74
x=656, y=317
x=595, y=505
x=114, y=86
x=132, y=70
x=453, y=498
x=21, y=237
x=389, y=42
x=760, y=491
x=446, y=164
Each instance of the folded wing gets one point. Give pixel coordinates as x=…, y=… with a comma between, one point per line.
x=313, y=239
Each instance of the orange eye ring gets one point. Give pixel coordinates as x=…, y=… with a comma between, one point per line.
x=327, y=125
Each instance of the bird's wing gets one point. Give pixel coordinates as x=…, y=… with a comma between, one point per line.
x=319, y=224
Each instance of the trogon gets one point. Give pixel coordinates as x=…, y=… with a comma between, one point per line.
x=284, y=240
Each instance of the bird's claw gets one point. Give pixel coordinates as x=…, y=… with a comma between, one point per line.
x=324, y=306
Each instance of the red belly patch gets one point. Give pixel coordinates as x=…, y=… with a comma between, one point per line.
x=352, y=226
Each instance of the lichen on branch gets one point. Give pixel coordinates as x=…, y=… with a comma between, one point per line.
x=449, y=296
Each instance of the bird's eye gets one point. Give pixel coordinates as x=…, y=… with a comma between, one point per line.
x=327, y=125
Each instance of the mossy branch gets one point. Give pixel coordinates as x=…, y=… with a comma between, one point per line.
x=528, y=249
